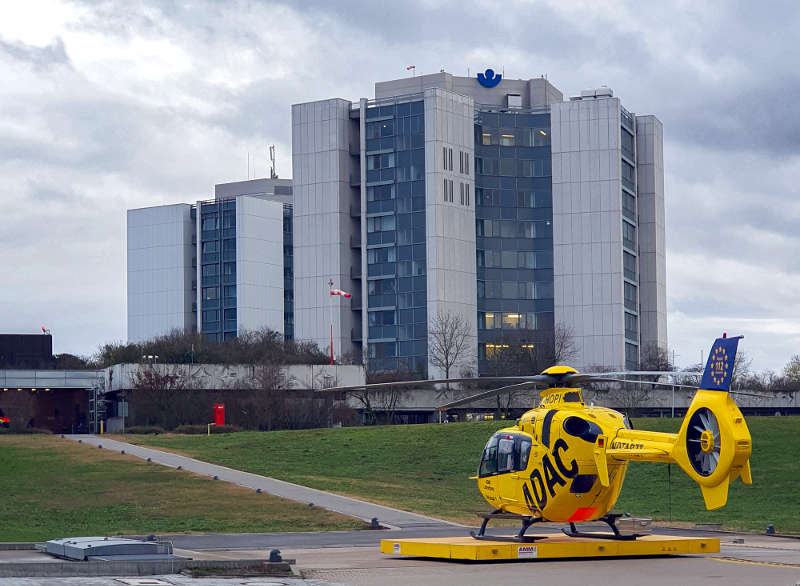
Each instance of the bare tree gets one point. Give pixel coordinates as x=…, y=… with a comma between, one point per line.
x=741, y=369
x=654, y=357
x=564, y=347
x=448, y=336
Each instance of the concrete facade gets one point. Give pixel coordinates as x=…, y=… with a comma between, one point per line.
x=322, y=168
x=160, y=273
x=587, y=228
x=450, y=218
x=259, y=264
x=652, y=230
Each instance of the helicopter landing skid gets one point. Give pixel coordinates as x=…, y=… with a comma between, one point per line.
x=519, y=538
x=611, y=521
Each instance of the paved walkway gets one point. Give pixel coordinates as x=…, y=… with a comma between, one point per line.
x=387, y=516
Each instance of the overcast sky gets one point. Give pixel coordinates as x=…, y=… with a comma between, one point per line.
x=106, y=106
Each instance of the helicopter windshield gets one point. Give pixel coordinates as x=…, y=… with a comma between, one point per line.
x=505, y=452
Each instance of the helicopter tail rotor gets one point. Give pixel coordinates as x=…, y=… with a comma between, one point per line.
x=714, y=445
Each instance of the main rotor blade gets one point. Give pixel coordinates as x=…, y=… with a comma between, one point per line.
x=539, y=379
x=483, y=395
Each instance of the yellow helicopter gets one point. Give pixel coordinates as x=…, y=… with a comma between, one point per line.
x=565, y=461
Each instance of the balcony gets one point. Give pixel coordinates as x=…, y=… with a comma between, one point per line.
x=355, y=241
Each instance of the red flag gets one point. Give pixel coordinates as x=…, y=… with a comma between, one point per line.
x=340, y=292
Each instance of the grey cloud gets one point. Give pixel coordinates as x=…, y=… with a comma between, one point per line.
x=41, y=57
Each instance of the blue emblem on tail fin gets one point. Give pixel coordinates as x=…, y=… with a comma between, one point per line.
x=717, y=375
x=489, y=78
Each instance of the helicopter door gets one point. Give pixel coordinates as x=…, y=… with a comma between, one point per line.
x=504, y=453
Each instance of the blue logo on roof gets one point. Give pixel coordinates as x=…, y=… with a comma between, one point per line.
x=489, y=78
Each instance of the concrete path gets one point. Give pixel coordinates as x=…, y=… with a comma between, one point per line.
x=387, y=516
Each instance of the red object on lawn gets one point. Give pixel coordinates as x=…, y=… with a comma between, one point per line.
x=219, y=413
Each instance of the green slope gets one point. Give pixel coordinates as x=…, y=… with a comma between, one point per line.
x=426, y=468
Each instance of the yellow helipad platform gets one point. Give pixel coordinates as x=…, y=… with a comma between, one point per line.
x=551, y=547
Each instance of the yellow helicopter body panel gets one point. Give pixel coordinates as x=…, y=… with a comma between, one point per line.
x=560, y=480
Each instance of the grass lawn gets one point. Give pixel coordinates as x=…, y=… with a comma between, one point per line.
x=54, y=487
x=426, y=468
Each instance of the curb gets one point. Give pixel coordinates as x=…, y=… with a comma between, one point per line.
x=140, y=568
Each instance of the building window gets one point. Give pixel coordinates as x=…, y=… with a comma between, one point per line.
x=628, y=205
x=461, y=192
x=210, y=270
x=627, y=171
x=229, y=269
x=508, y=167
x=507, y=138
x=210, y=222
x=629, y=235
x=513, y=321
x=631, y=297
x=211, y=315
x=384, y=161
x=466, y=163
x=211, y=246
x=444, y=156
x=210, y=293
x=494, y=350
x=230, y=291
x=629, y=265
x=450, y=151
x=466, y=193
x=381, y=224
x=631, y=326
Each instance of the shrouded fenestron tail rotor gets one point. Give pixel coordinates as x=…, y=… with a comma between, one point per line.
x=703, y=441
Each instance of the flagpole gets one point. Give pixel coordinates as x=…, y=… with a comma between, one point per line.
x=330, y=305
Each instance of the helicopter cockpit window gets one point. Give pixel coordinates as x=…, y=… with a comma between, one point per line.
x=505, y=452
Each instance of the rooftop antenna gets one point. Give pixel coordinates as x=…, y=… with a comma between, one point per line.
x=272, y=173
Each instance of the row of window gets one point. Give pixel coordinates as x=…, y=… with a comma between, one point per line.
x=490, y=351
x=513, y=229
x=211, y=293
x=513, y=259
x=211, y=221
x=213, y=245
x=513, y=167
x=463, y=190
x=509, y=137
x=228, y=269
x=509, y=198
x=490, y=320
x=211, y=315
x=514, y=290
x=404, y=126
x=394, y=349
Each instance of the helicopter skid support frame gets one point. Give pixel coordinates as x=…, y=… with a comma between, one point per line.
x=526, y=521
x=611, y=521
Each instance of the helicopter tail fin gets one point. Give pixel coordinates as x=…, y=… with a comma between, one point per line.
x=713, y=445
